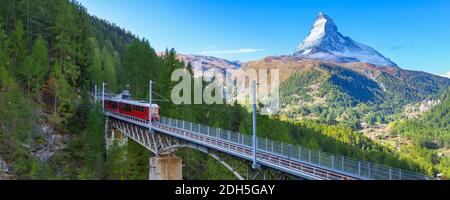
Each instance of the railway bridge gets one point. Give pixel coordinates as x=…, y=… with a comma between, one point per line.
x=247, y=157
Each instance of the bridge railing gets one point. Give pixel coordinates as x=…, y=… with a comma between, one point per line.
x=336, y=163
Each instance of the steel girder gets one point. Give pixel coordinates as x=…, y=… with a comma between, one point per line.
x=156, y=142
x=159, y=144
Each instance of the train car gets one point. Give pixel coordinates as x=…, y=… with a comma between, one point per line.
x=112, y=105
x=134, y=108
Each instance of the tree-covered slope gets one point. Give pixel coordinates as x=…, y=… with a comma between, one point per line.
x=350, y=94
x=432, y=129
x=429, y=135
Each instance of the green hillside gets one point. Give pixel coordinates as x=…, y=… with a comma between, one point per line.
x=432, y=129
x=430, y=134
x=350, y=96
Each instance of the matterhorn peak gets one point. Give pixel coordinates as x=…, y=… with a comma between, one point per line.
x=324, y=42
x=325, y=22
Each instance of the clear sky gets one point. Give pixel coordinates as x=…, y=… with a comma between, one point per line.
x=414, y=34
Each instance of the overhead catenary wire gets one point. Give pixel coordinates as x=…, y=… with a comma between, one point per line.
x=163, y=98
x=220, y=109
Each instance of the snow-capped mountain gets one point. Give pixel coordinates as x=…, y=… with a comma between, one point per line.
x=208, y=62
x=206, y=65
x=324, y=42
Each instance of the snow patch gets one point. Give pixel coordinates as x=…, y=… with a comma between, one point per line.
x=446, y=75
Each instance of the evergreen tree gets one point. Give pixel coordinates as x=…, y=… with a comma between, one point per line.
x=65, y=96
x=3, y=46
x=26, y=70
x=94, y=62
x=15, y=125
x=95, y=165
x=39, y=55
x=17, y=44
x=109, y=69
x=117, y=162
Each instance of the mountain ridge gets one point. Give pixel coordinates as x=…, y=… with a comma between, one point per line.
x=206, y=65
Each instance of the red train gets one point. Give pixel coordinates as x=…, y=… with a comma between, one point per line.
x=125, y=106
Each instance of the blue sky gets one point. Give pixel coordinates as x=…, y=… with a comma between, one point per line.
x=414, y=34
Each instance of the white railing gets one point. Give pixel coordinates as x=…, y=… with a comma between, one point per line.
x=336, y=163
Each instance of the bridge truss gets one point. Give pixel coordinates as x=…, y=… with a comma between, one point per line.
x=161, y=144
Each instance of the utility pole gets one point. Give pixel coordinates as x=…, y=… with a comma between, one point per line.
x=255, y=140
x=150, y=107
x=95, y=93
x=103, y=96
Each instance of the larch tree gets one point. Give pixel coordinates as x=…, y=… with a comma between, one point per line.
x=39, y=55
x=17, y=44
x=26, y=71
x=109, y=69
x=3, y=46
x=94, y=62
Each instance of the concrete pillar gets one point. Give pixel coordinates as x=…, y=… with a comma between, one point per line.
x=165, y=167
x=106, y=134
x=113, y=135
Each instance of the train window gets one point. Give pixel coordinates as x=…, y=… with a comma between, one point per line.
x=114, y=105
x=126, y=107
x=138, y=108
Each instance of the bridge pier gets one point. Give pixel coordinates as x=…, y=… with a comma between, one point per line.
x=165, y=167
x=112, y=135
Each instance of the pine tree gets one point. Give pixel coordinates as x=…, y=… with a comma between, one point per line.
x=65, y=96
x=26, y=71
x=39, y=54
x=117, y=162
x=17, y=44
x=15, y=124
x=94, y=62
x=3, y=46
x=133, y=63
x=109, y=69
